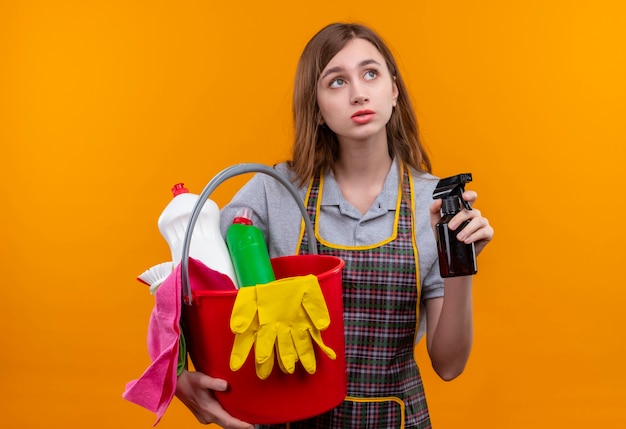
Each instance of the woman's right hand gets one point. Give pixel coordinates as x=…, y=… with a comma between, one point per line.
x=195, y=390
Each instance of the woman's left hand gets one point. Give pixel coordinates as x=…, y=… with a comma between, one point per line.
x=477, y=231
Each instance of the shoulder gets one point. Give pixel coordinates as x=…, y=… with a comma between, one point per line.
x=265, y=184
x=267, y=197
x=273, y=189
x=283, y=168
x=270, y=182
x=423, y=184
x=423, y=178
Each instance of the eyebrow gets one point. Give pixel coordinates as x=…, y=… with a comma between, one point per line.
x=339, y=69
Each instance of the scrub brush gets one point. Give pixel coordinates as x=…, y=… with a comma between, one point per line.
x=155, y=275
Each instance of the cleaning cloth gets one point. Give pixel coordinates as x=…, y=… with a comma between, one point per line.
x=155, y=388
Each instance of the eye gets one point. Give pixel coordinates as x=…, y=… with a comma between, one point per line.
x=370, y=74
x=336, y=83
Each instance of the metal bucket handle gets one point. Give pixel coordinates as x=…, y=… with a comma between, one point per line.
x=227, y=173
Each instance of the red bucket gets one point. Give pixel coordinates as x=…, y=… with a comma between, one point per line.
x=281, y=397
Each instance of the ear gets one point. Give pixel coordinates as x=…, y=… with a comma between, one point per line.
x=394, y=93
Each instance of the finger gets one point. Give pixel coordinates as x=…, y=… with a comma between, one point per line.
x=241, y=350
x=317, y=336
x=314, y=303
x=280, y=364
x=286, y=350
x=263, y=370
x=480, y=238
x=470, y=196
x=241, y=347
x=200, y=381
x=264, y=344
x=435, y=207
x=224, y=419
x=304, y=347
x=244, y=310
x=475, y=230
x=435, y=213
x=463, y=216
x=195, y=390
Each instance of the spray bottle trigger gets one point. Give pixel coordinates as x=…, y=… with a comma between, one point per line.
x=466, y=204
x=453, y=187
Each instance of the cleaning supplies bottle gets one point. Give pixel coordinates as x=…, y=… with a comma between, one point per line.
x=248, y=251
x=455, y=257
x=207, y=244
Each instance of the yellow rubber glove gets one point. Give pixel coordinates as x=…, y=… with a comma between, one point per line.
x=244, y=323
x=291, y=311
x=280, y=318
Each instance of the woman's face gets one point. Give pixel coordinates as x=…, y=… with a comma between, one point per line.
x=356, y=93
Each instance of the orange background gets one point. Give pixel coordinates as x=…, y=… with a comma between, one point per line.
x=105, y=105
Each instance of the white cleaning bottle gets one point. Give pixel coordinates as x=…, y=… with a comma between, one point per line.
x=207, y=244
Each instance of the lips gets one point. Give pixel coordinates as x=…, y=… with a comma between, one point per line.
x=362, y=116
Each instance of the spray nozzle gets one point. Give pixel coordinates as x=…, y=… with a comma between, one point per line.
x=453, y=187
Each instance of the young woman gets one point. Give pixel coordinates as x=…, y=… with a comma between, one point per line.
x=365, y=179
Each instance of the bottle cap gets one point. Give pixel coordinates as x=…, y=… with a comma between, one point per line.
x=179, y=188
x=244, y=216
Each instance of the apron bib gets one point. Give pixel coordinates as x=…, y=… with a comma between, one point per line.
x=381, y=296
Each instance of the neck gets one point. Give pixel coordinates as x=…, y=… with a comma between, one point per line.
x=361, y=175
x=366, y=170
x=363, y=161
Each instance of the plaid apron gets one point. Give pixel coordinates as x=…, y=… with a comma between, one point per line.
x=381, y=294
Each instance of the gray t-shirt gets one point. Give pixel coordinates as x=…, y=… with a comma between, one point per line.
x=277, y=214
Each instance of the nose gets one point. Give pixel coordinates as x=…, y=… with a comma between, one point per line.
x=357, y=95
x=359, y=99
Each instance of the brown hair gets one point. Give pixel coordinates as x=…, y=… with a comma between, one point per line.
x=315, y=146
